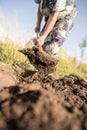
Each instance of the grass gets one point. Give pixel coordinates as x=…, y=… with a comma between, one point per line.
x=70, y=66
x=9, y=54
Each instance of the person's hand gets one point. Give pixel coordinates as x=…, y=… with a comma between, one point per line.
x=37, y=29
x=40, y=40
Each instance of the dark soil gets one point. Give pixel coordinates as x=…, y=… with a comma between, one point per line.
x=41, y=61
x=41, y=102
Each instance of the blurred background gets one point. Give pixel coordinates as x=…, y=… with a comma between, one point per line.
x=18, y=20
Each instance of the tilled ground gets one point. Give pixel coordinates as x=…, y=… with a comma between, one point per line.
x=44, y=103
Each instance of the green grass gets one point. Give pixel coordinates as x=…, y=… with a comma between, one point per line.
x=9, y=54
x=69, y=66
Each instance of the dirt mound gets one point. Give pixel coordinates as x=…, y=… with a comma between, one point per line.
x=41, y=102
x=59, y=107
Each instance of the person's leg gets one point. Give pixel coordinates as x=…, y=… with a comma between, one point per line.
x=54, y=41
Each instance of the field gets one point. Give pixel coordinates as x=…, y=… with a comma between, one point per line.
x=9, y=54
x=41, y=98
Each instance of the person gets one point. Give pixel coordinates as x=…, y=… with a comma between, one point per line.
x=59, y=18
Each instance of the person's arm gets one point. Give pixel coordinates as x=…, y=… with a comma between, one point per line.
x=50, y=23
x=49, y=26
x=39, y=19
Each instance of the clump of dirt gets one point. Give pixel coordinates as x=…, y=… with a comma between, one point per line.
x=41, y=61
x=41, y=102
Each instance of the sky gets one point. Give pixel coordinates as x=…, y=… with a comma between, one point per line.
x=18, y=20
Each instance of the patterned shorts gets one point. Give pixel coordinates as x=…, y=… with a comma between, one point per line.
x=60, y=32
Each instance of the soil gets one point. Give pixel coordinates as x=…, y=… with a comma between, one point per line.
x=41, y=61
x=34, y=100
